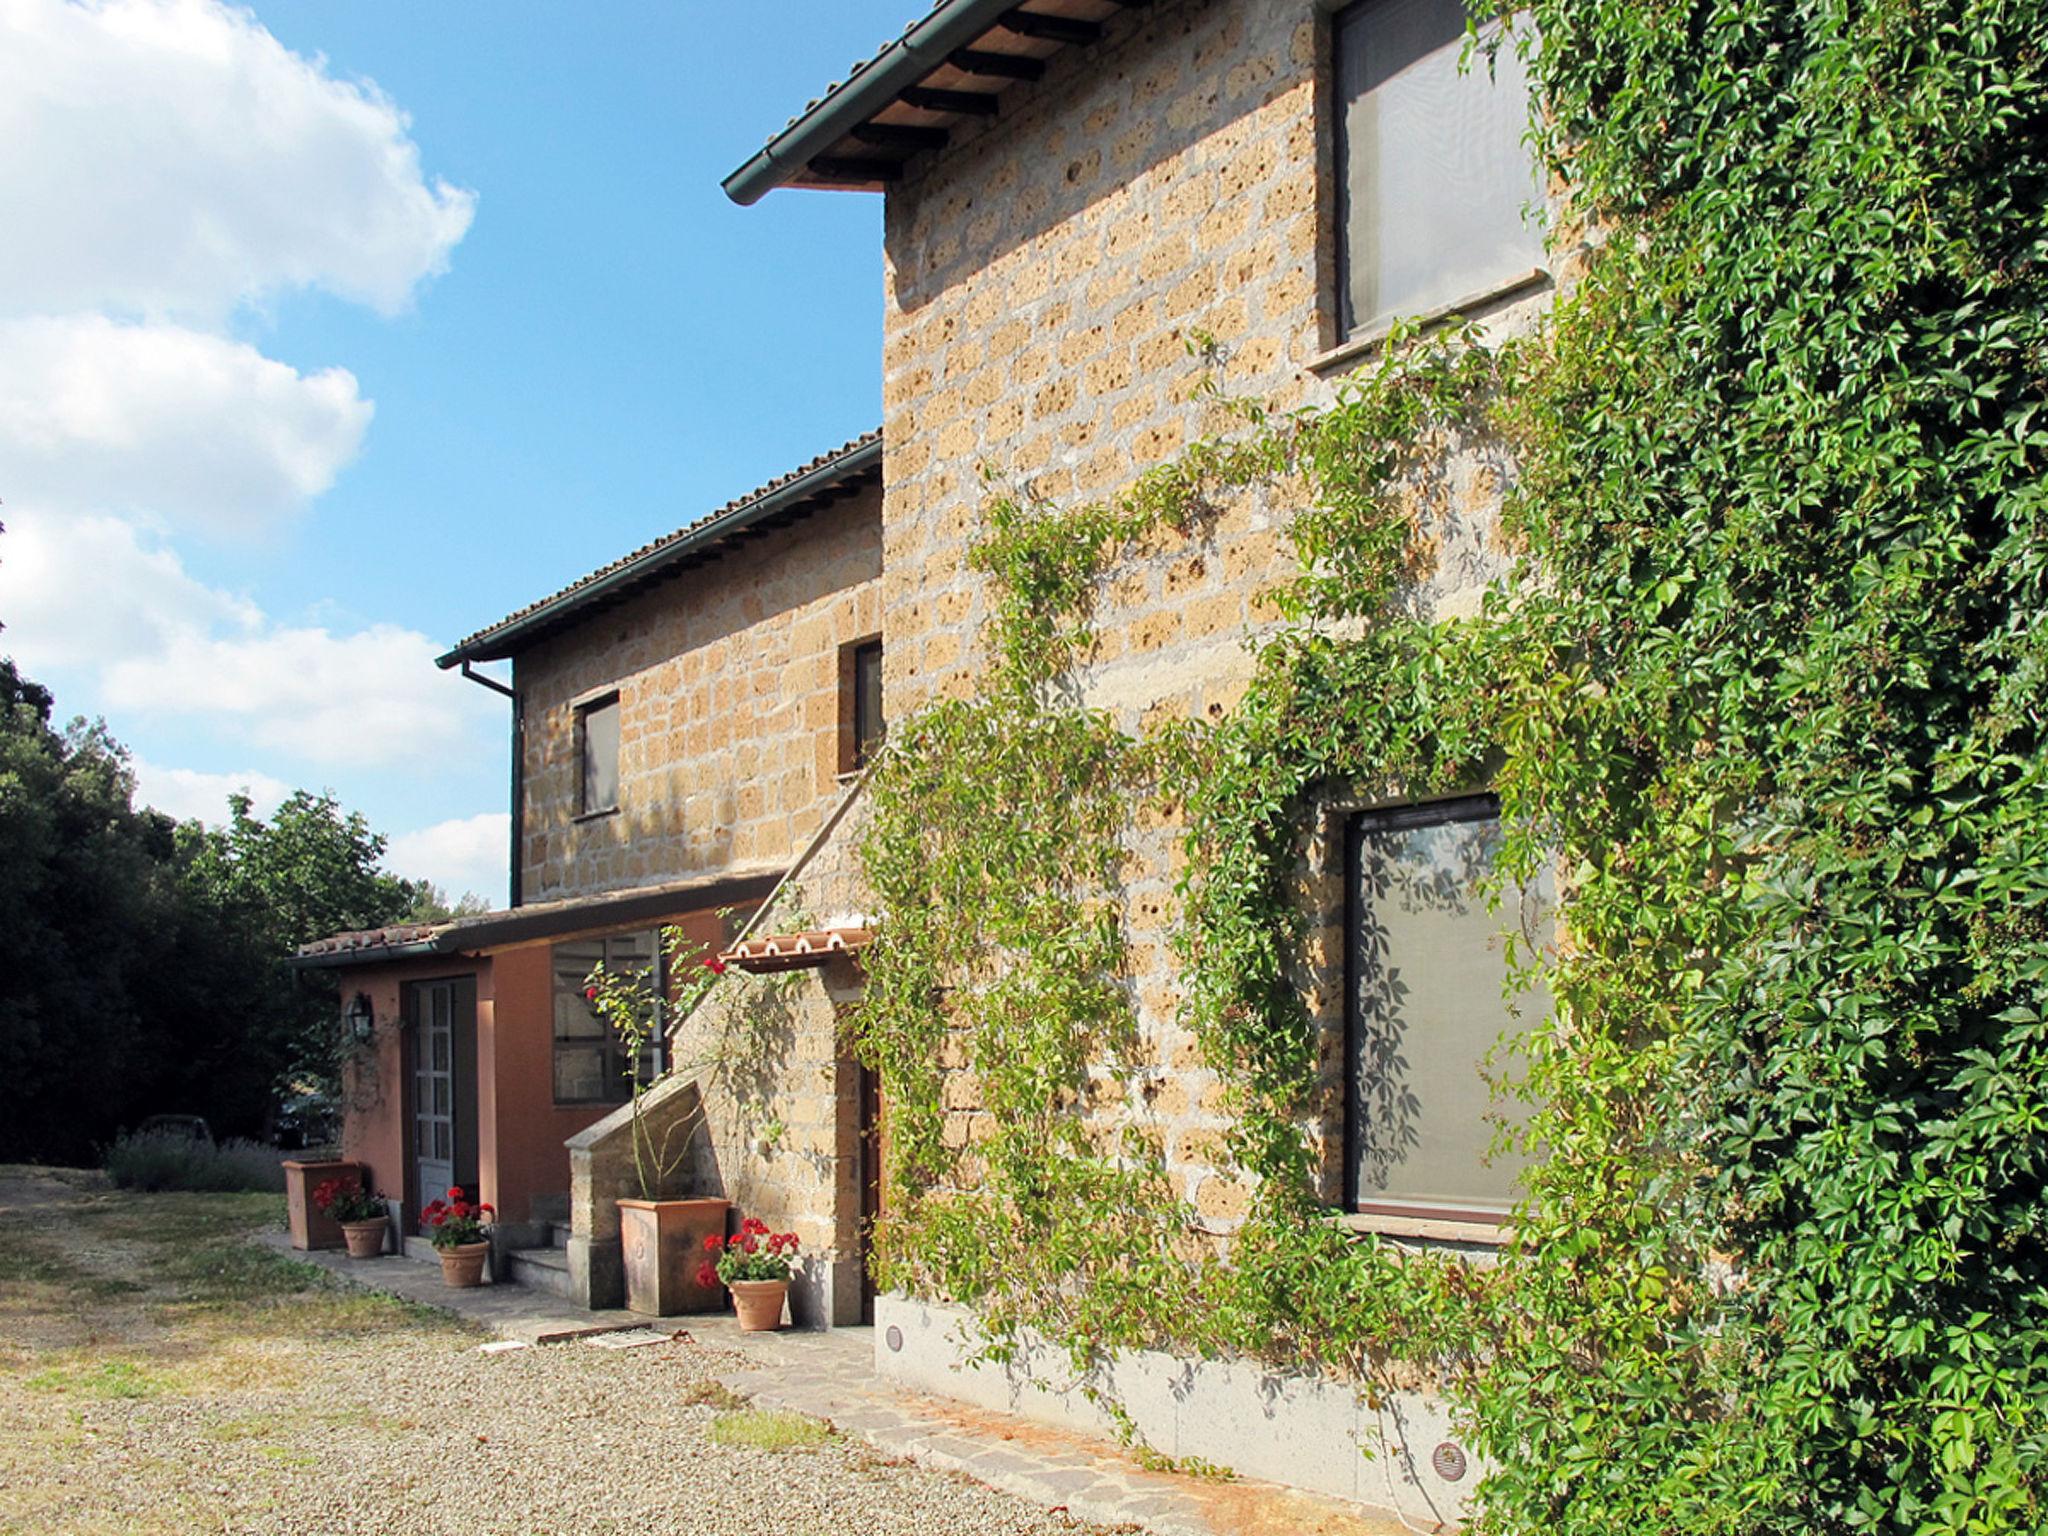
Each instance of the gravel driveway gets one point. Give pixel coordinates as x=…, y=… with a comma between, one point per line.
x=159, y=1374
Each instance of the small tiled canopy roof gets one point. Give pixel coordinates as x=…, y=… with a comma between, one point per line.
x=606, y=910
x=846, y=471
x=950, y=66
x=794, y=951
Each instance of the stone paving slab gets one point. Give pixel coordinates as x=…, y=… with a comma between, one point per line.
x=830, y=1375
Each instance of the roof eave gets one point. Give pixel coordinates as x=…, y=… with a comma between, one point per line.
x=903, y=63
x=368, y=954
x=504, y=640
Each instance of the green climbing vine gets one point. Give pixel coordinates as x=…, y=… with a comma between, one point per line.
x=1764, y=688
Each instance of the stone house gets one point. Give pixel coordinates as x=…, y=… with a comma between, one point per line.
x=683, y=722
x=1075, y=193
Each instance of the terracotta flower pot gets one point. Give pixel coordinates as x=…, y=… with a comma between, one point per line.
x=662, y=1245
x=463, y=1264
x=365, y=1238
x=759, y=1304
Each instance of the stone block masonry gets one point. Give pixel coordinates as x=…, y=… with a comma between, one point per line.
x=730, y=685
x=1049, y=274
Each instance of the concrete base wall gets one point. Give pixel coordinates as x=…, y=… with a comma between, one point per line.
x=1305, y=1432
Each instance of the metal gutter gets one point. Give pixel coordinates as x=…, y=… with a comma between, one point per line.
x=900, y=65
x=495, y=644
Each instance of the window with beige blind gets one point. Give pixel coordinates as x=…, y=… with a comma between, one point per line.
x=1428, y=968
x=1434, y=178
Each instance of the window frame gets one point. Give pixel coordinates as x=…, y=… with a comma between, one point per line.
x=1395, y=1217
x=854, y=753
x=585, y=708
x=614, y=1070
x=1348, y=337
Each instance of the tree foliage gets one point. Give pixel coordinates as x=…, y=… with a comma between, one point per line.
x=143, y=962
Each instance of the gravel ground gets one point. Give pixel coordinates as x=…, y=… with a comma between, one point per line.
x=158, y=1375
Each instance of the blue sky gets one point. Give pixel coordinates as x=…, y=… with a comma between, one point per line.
x=346, y=329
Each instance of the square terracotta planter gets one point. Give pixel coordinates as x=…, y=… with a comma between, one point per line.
x=310, y=1228
x=662, y=1242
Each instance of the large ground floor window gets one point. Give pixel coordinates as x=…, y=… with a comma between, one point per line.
x=590, y=1063
x=1428, y=972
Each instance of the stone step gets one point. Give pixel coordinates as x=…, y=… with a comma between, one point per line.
x=540, y=1269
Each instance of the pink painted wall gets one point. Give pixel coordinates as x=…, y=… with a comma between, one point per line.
x=519, y=1140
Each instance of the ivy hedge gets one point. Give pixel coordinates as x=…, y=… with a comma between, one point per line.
x=1765, y=688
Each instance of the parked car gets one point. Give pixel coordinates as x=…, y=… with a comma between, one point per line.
x=193, y=1126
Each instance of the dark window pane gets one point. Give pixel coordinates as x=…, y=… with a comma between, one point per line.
x=867, y=702
x=1434, y=177
x=601, y=757
x=590, y=1064
x=1428, y=969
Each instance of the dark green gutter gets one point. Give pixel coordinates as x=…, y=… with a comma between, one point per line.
x=502, y=640
x=903, y=63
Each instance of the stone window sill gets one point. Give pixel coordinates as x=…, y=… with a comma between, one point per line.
x=1373, y=337
x=1491, y=1234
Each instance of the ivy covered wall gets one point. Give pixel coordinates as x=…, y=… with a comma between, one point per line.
x=1764, y=688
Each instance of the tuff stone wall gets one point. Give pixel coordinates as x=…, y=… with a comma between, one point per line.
x=729, y=681
x=1047, y=275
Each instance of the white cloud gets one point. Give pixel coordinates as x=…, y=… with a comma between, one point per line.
x=171, y=157
x=191, y=795
x=99, y=594
x=96, y=416
x=366, y=699
x=90, y=591
x=470, y=853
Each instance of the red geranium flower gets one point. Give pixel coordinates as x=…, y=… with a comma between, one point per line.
x=714, y=965
x=455, y=1192
x=590, y=994
x=706, y=1275
x=713, y=1242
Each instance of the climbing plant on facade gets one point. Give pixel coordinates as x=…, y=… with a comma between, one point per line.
x=1765, y=688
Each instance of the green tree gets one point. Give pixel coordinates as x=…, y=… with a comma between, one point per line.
x=145, y=964
x=311, y=869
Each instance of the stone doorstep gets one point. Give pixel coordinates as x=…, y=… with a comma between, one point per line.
x=830, y=1375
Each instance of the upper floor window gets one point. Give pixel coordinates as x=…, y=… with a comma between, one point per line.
x=867, y=702
x=590, y=1062
x=861, y=722
x=597, y=751
x=1428, y=973
x=1434, y=177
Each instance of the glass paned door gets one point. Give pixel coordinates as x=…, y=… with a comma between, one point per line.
x=433, y=1128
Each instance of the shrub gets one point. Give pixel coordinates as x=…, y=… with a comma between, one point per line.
x=158, y=1160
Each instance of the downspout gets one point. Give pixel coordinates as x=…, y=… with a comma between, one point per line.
x=513, y=881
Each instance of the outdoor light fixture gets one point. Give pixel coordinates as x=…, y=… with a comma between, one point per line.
x=361, y=1021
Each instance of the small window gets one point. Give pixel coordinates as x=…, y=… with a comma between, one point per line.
x=597, y=732
x=1428, y=971
x=590, y=1063
x=1433, y=175
x=867, y=702
x=860, y=704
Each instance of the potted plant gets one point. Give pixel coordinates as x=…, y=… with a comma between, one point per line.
x=657, y=1234
x=363, y=1217
x=461, y=1234
x=755, y=1265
